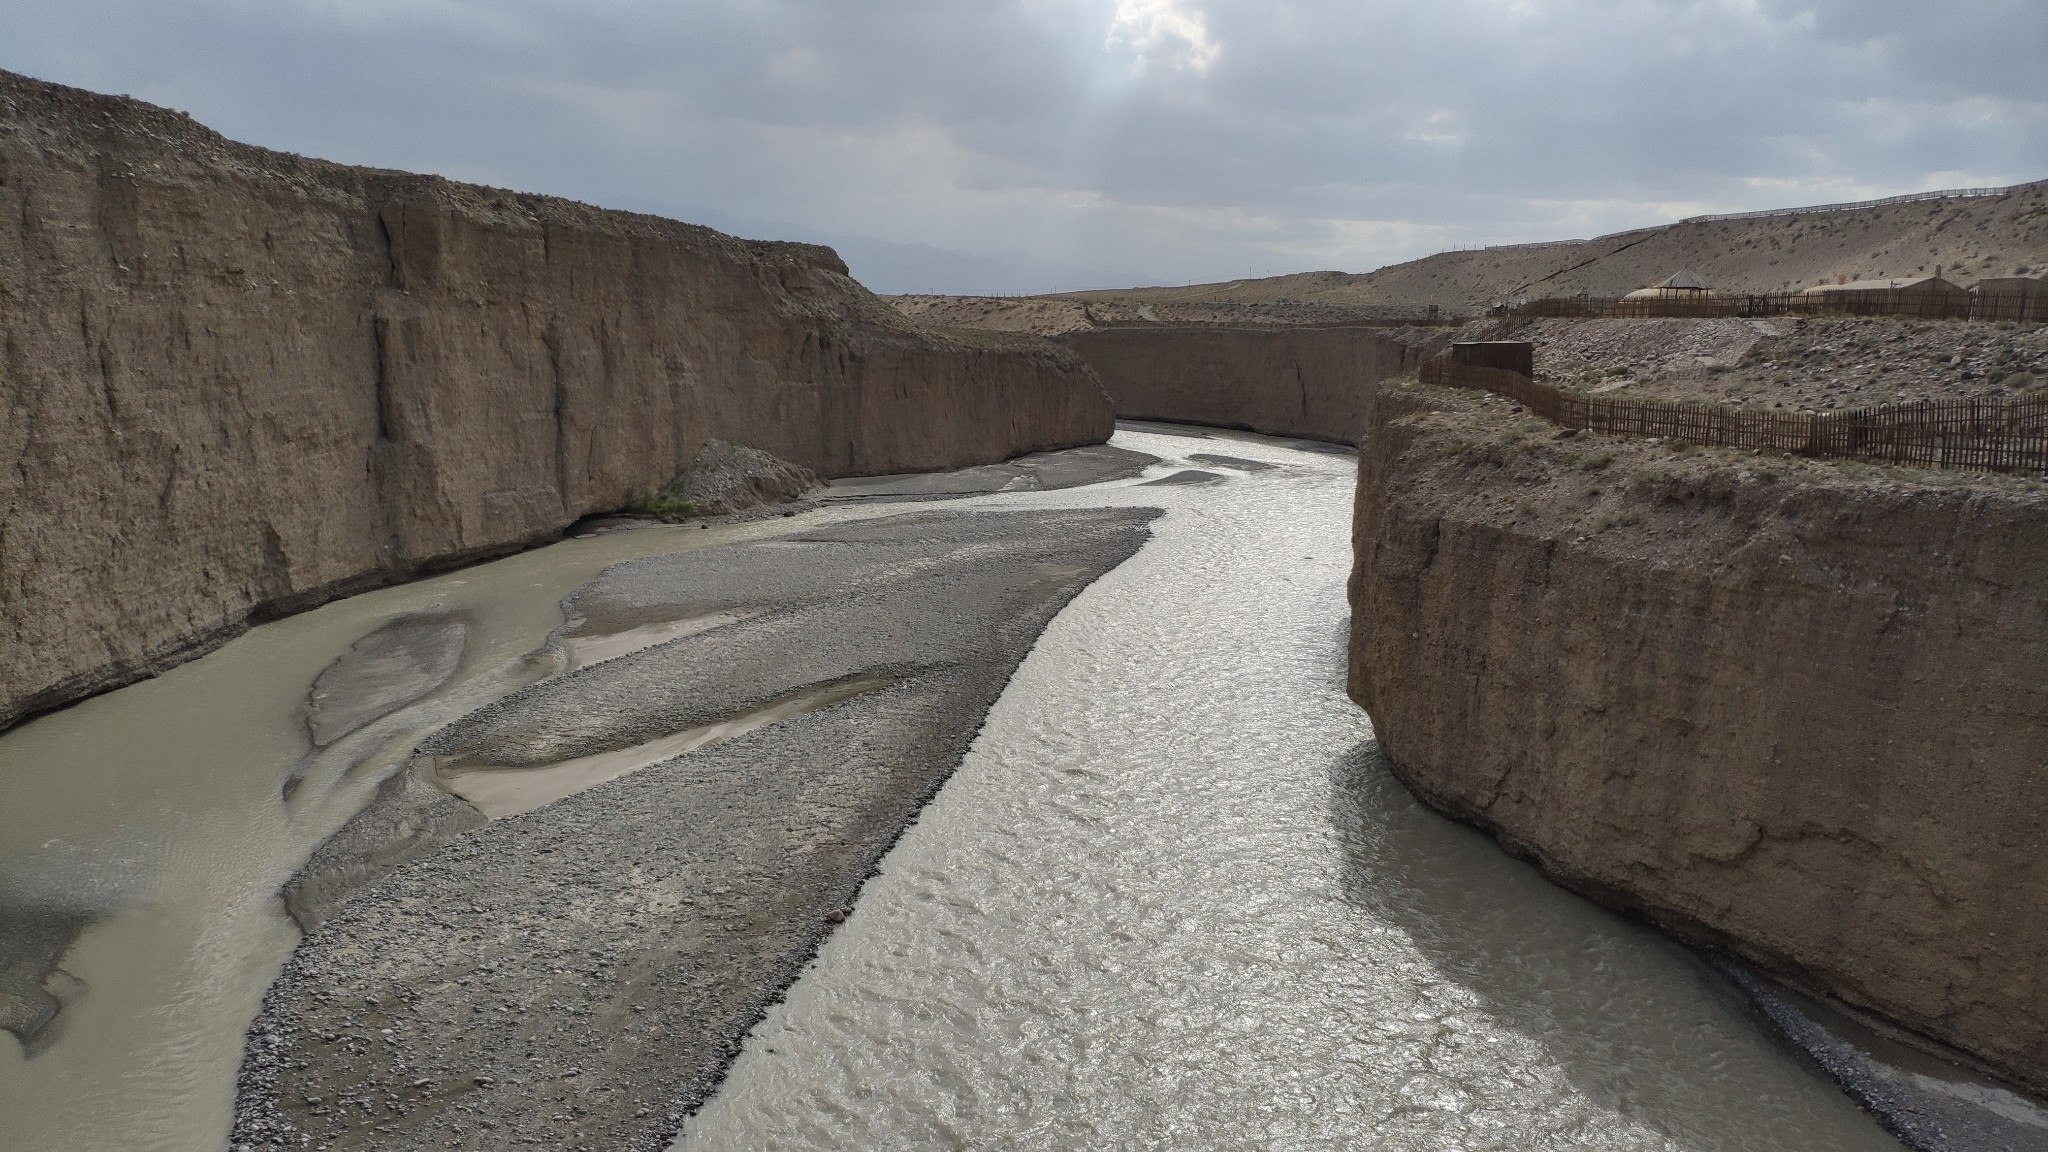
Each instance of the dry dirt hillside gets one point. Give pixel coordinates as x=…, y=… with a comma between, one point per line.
x=1968, y=238
x=1797, y=362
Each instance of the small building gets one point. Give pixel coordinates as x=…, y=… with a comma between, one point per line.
x=2011, y=286
x=2011, y=298
x=1684, y=284
x=1930, y=296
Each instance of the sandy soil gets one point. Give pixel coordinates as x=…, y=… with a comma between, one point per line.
x=1810, y=363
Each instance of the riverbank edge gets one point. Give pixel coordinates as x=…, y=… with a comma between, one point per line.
x=1611, y=655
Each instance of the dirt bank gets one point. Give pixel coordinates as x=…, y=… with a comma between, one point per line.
x=1790, y=362
x=1786, y=709
x=1303, y=381
x=579, y=975
x=239, y=382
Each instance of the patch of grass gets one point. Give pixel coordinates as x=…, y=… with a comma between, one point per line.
x=658, y=504
x=1595, y=462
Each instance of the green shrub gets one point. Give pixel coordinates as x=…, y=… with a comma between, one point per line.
x=659, y=504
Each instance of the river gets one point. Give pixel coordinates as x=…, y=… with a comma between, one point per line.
x=1171, y=899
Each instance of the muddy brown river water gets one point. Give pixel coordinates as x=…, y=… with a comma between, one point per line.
x=1172, y=898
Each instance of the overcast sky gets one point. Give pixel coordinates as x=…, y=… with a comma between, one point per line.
x=1163, y=139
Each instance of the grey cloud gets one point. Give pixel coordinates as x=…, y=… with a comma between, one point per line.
x=1324, y=133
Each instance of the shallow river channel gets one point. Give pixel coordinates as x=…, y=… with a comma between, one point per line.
x=1171, y=899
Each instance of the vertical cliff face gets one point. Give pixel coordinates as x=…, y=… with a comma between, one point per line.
x=1794, y=713
x=238, y=382
x=1287, y=381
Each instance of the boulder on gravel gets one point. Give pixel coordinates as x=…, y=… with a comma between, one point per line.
x=727, y=478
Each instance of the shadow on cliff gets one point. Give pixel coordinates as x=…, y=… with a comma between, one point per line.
x=1637, y=1024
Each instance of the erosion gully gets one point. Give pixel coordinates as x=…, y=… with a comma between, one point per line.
x=1172, y=898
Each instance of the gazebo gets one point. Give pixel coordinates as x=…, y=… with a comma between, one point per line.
x=1684, y=284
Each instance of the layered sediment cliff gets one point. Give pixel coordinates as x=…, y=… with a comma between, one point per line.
x=1792, y=711
x=1287, y=381
x=238, y=382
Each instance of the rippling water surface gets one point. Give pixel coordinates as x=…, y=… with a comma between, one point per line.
x=1173, y=899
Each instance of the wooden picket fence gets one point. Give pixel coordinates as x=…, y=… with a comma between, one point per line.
x=2022, y=308
x=1974, y=435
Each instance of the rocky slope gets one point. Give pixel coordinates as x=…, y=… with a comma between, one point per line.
x=1799, y=363
x=1786, y=709
x=237, y=382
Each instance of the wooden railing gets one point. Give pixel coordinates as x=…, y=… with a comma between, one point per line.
x=1976, y=435
x=1857, y=205
x=2023, y=308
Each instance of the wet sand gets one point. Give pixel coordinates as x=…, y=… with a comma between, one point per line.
x=580, y=974
x=146, y=835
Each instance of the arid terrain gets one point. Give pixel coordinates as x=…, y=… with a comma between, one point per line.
x=1968, y=239
x=1064, y=315
x=1799, y=363
x=547, y=850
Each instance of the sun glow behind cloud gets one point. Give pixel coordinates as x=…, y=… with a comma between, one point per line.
x=1181, y=138
x=1172, y=32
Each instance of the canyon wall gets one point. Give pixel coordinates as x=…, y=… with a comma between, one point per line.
x=1285, y=381
x=1792, y=711
x=238, y=382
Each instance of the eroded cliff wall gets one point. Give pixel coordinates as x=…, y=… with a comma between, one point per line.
x=238, y=382
x=1287, y=381
x=1794, y=711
